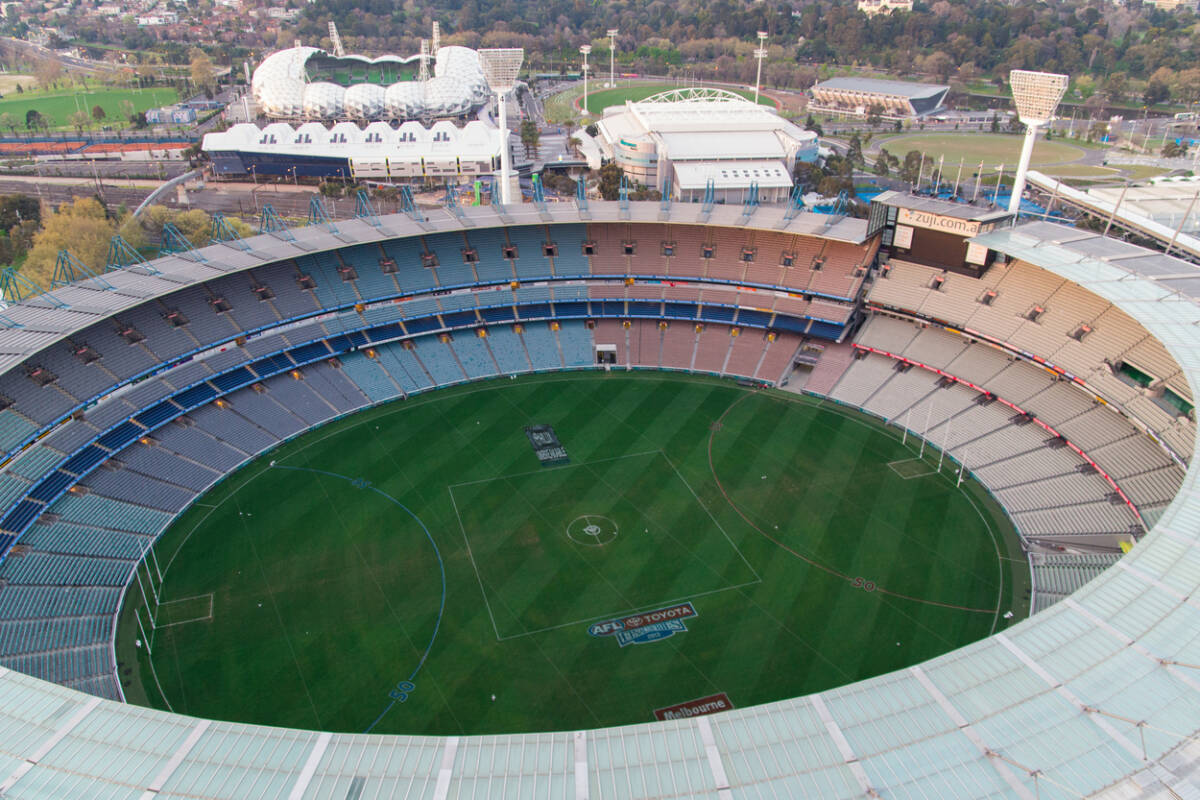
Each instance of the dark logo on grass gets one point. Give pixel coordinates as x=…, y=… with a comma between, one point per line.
x=649, y=626
x=695, y=708
x=546, y=445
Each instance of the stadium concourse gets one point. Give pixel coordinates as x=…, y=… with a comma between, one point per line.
x=126, y=395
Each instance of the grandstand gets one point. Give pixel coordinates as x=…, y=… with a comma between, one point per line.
x=1063, y=380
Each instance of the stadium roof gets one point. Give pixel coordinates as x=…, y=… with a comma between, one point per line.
x=721, y=146
x=943, y=208
x=1050, y=246
x=732, y=175
x=412, y=140
x=1095, y=696
x=878, y=86
x=1138, y=217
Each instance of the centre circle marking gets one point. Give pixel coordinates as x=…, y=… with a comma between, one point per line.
x=592, y=530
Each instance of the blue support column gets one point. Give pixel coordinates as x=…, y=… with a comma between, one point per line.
x=68, y=270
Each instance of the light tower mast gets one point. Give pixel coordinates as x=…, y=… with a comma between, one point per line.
x=423, y=73
x=437, y=37
x=585, y=50
x=612, y=56
x=1036, y=95
x=500, y=68
x=336, y=40
x=760, y=54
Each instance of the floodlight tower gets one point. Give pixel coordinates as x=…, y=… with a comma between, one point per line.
x=760, y=54
x=1036, y=95
x=586, y=50
x=500, y=68
x=612, y=56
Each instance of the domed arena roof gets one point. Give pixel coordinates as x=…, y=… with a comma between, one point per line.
x=307, y=82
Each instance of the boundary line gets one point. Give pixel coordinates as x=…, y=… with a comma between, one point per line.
x=437, y=626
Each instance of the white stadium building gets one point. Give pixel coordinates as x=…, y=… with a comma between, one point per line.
x=307, y=83
x=376, y=152
x=695, y=138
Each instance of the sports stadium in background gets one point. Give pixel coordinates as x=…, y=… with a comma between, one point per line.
x=594, y=500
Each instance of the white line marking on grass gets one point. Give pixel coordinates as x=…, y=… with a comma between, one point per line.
x=471, y=555
x=905, y=473
x=700, y=502
x=184, y=621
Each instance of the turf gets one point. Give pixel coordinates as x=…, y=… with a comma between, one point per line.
x=58, y=106
x=813, y=547
x=992, y=149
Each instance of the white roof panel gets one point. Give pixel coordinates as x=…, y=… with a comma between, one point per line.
x=732, y=174
x=721, y=146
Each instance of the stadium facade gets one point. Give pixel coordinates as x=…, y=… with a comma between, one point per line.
x=855, y=97
x=697, y=137
x=1059, y=364
x=305, y=83
x=377, y=152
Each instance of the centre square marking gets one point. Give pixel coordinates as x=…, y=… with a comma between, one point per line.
x=533, y=579
x=592, y=530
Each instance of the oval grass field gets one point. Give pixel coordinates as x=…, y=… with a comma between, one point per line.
x=414, y=569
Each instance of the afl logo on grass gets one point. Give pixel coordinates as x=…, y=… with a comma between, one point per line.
x=649, y=626
x=592, y=530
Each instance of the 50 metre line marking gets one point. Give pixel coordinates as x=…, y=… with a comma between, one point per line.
x=823, y=567
x=361, y=484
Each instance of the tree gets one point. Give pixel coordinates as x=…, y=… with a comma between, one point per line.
x=911, y=169
x=47, y=71
x=1115, y=85
x=811, y=124
x=875, y=114
x=1156, y=92
x=18, y=208
x=33, y=119
x=7, y=120
x=138, y=120
x=83, y=227
x=98, y=113
x=610, y=181
x=529, y=135
x=1174, y=150
x=204, y=74
x=855, y=152
x=592, y=130
x=80, y=120
x=884, y=163
x=995, y=123
x=574, y=142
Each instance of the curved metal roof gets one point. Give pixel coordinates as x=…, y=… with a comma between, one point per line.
x=1098, y=695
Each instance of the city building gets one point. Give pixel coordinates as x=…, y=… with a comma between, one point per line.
x=873, y=7
x=695, y=138
x=856, y=97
